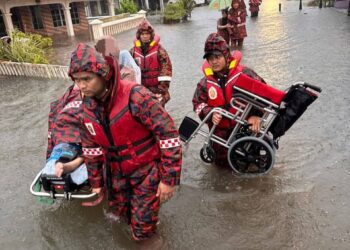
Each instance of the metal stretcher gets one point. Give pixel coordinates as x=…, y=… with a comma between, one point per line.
x=59, y=187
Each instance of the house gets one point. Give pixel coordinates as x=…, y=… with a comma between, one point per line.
x=51, y=17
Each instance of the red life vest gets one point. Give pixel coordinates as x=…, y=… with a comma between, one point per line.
x=218, y=96
x=148, y=63
x=134, y=145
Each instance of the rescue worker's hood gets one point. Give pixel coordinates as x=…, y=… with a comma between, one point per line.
x=216, y=44
x=86, y=59
x=241, y=4
x=145, y=26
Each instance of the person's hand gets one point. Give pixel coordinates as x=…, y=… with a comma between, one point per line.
x=255, y=123
x=165, y=192
x=59, y=169
x=216, y=118
x=159, y=97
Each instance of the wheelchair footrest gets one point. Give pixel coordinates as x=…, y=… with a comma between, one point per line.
x=187, y=127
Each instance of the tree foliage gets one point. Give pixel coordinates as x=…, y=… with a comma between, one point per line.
x=180, y=10
x=128, y=6
x=31, y=48
x=188, y=6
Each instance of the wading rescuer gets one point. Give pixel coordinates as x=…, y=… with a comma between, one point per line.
x=154, y=61
x=221, y=70
x=130, y=144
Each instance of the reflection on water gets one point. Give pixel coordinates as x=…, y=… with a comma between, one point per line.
x=301, y=204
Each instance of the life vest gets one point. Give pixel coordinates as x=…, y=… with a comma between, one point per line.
x=125, y=143
x=218, y=96
x=148, y=63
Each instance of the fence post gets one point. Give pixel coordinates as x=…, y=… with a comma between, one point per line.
x=279, y=7
x=96, y=29
x=300, y=5
x=142, y=13
x=320, y=4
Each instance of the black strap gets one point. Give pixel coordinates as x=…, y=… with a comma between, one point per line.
x=128, y=198
x=118, y=158
x=105, y=126
x=123, y=147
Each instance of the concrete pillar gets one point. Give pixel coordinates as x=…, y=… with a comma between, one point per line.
x=96, y=29
x=8, y=22
x=117, y=4
x=68, y=18
x=99, y=9
x=161, y=5
x=142, y=13
x=146, y=4
x=111, y=8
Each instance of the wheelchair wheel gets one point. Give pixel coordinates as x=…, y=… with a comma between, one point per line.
x=207, y=154
x=271, y=143
x=251, y=155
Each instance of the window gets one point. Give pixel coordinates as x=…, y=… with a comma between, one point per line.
x=74, y=13
x=57, y=15
x=104, y=8
x=16, y=20
x=36, y=17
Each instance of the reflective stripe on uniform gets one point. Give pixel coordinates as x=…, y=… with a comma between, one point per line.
x=200, y=108
x=164, y=78
x=75, y=104
x=151, y=54
x=232, y=78
x=92, y=151
x=170, y=143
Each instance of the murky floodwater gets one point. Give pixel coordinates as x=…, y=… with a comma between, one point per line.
x=304, y=203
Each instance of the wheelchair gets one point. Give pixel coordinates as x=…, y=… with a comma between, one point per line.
x=252, y=153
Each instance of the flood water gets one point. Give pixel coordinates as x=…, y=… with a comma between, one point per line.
x=303, y=203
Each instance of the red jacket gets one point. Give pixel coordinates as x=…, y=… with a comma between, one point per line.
x=128, y=108
x=126, y=151
x=148, y=62
x=220, y=96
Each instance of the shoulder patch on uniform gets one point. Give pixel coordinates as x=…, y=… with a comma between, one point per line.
x=90, y=127
x=212, y=93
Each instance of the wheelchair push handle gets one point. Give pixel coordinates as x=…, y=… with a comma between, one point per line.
x=313, y=87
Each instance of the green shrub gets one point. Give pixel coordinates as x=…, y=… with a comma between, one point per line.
x=128, y=6
x=188, y=6
x=31, y=48
x=174, y=12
